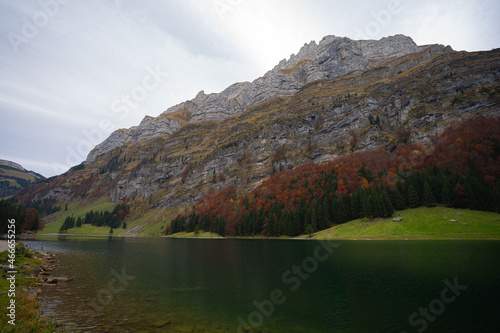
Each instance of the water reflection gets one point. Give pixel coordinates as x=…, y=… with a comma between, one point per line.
x=179, y=284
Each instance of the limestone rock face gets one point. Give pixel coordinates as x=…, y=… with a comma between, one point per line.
x=117, y=139
x=150, y=128
x=332, y=58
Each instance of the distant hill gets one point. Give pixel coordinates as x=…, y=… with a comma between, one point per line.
x=13, y=177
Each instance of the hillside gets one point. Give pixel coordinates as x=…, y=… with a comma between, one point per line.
x=461, y=170
x=14, y=177
x=420, y=223
x=331, y=99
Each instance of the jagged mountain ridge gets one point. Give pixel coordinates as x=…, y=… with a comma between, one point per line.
x=332, y=58
x=338, y=101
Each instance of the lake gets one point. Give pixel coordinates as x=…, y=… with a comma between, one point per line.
x=249, y=285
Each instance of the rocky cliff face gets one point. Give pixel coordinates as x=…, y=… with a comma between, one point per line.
x=330, y=99
x=332, y=58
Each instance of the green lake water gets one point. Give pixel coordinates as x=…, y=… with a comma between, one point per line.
x=239, y=285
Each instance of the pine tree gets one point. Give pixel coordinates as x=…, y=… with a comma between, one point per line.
x=309, y=230
x=413, y=198
x=446, y=195
x=288, y=221
x=314, y=219
x=356, y=205
x=205, y=225
x=307, y=218
x=402, y=188
x=367, y=205
x=296, y=224
x=326, y=212
x=335, y=211
x=470, y=193
x=377, y=207
x=346, y=206
x=386, y=202
x=320, y=223
x=429, y=199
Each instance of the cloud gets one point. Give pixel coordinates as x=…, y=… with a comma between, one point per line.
x=63, y=81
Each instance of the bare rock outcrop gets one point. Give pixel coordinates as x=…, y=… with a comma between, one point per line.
x=332, y=58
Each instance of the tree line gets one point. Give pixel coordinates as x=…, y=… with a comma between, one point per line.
x=26, y=218
x=114, y=219
x=461, y=170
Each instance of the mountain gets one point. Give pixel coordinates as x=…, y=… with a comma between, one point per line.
x=333, y=58
x=14, y=177
x=328, y=100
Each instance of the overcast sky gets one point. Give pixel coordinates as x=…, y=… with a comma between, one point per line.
x=71, y=72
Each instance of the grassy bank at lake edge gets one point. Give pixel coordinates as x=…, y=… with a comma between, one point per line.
x=420, y=223
x=27, y=315
x=417, y=223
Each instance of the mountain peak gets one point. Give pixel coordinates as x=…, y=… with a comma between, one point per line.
x=330, y=47
x=14, y=177
x=334, y=57
x=12, y=165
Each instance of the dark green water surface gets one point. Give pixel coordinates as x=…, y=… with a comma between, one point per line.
x=238, y=285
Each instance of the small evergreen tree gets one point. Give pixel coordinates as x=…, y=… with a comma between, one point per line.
x=377, y=207
x=413, y=198
x=205, y=222
x=446, y=195
x=355, y=205
x=321, y=217
x=367, y=205
x=309, y=230
x=429, y=199
x=314, y=219
x=326, y=213
x=386, y=203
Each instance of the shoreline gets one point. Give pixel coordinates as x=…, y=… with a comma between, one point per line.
x=422, y=223
x=299, y=238
x=32, y=273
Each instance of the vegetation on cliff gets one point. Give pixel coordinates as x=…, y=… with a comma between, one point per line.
x=461, y=170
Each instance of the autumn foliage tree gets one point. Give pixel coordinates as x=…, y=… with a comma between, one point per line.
x=462, y=169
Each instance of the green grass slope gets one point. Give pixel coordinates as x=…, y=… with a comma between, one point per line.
x=77, y=209
x=151, y=222
x=420, y=223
